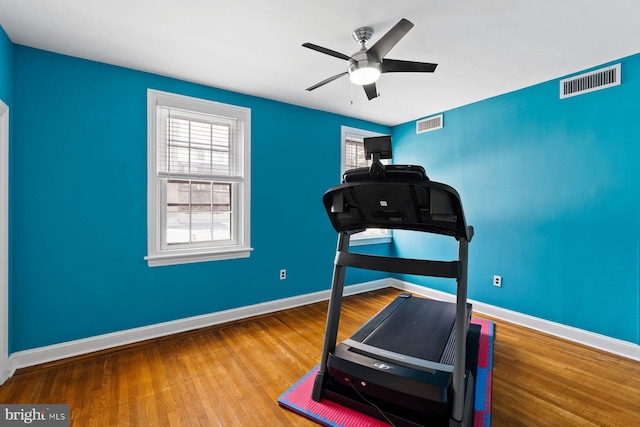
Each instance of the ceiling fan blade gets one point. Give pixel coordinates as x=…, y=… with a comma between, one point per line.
x=326, y=51
x=371, y=91
x=325, y=81
x=397, y=66
x=389, y=40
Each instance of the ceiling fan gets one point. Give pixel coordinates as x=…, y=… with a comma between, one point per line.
x=366, y=65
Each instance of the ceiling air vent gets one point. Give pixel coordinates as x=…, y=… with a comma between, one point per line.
x=429, y=124
x=588, y=82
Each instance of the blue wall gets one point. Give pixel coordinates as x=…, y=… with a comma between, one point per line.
x=78, y=180
x=552, y=189
x=550, y=186
x=6, y=68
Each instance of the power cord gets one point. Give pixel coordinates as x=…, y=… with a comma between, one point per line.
x=372, y=404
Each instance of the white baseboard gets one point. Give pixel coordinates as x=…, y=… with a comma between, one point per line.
x=591, y=339
x=37, y=356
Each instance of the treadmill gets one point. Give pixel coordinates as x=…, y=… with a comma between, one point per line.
x=413, y=363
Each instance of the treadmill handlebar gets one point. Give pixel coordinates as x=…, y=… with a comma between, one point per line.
x=421, y=267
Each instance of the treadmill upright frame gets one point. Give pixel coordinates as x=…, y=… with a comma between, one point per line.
x=448, y=269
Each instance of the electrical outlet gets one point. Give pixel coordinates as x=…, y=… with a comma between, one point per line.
x=497, y=281
x=283, y=274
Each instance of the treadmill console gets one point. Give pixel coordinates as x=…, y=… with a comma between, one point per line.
x=394, y=197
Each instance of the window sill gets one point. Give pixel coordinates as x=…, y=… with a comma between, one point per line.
x=354, y=241
x=175, y=258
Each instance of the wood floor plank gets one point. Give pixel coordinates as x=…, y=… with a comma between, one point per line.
x=232, y=375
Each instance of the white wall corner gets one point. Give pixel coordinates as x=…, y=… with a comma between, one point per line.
x=5, y=364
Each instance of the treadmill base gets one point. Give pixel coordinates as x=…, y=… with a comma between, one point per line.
x=328, y=388
x=401, y=417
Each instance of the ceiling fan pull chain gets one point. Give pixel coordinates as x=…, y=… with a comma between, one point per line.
x=351, y=92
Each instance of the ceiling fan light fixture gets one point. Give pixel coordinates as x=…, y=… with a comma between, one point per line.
x=364, y=72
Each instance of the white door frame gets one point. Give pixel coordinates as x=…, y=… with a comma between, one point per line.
x=5, y=366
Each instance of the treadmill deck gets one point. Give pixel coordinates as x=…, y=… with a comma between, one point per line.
x=416, y=327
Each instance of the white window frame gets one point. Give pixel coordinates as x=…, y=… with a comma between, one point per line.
x=366, y=237
x=239, y=246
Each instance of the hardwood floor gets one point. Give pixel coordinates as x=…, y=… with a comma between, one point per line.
x=232, y=375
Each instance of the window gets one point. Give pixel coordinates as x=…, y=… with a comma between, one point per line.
x=352, y=156
x=198, y=180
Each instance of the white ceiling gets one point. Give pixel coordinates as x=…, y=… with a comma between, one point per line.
x=483, y=48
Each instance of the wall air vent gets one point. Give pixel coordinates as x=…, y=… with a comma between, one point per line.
x=429, y=124
x=588, y=82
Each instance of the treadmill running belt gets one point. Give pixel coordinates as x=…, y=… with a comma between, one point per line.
x=419, y=328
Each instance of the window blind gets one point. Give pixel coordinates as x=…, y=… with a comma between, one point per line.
x=354, y=153
x=198, y=145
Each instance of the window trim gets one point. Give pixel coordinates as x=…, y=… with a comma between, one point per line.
x=345, y=132
x=5, y=363
x=156, y=254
